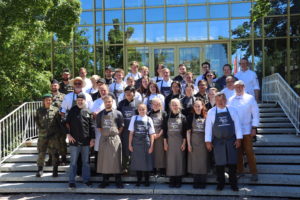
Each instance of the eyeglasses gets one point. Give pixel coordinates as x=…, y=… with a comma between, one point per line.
x=229, y=81
x=78, y=83
x=209, y=75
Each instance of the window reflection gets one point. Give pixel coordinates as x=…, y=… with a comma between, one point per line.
x=154, y=14
x=219, y=29
x=295, y=26
x=98, y=4
x=99, y=17
x=113, y=3
x=134, y=15
x=155, y=33
x=84, y=57
x=216, y=55
x=86, y=18
x=258, y=59
x=87, y=4
x=217, y=1
x=99, y=35
x=135, y=33
x=294, y=7
x=218, y=11
x=176, y=13
x=241, y=9
x=240, y=28
x=278, y=7
x=114, y=34
x=87, y=35
x=166, y=57
x=133, y=3
x=240, y=49
x=99, y=60
x=140, y=54
x=114, y=56
x=197, y=31
x=275, y=26
x=175, y=2
x=176, y=32
x=113, y=16
x=197, y=12
x=191, y=58
x=196, y=1
x=257, y=28
x=155, y=2
x=295, y=61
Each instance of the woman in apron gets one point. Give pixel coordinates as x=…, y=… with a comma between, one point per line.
x=175, y=127
x=223, y=136
x=153, y=91
x=189, y=99
x=141, y=141
x=110, y=122
x=197, y=152
x=158, y=73
x=128, y=108
x=176, y=93
x=157, y=115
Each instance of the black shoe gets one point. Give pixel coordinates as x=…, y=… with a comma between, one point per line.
x=138, y=184
x=72, y=185
x=220, y=187
x=171, y=185
x=202, y=186
x=63, y=161
x=39, y=173
x=103, y=185
x=120, y=185
x=234, y=188
x=89, y=183
x=55, y=171
x=147, y=184
x=49, y=162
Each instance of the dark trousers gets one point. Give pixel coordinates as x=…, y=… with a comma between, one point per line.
x=221, y=176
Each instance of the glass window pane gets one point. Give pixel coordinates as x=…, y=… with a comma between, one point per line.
x=154, y=14
x=166, y=57
x=99, y=17
x=113, y=16
x=216, y=55
x=196, y=1
x=114, y=56
x=295, y=63
x=114, y=34
x=278, y=7
x=134, y=15
x=191, y=58
x=294, y=7
x=113, y=3
x=134, y=3
x=135, y=33
x=155, y=33
x=99, y=35
x=140, y=54
x=98, y=4
x=218, y=11
x=175, y=2
x=217, y=1
x=197, y=31
x=257, y=28
x=87, y=36
x=239, y=49
x=155, y=2
x=176, y=32
x=86, y=18
x=258, y=59
x=176, y=13
x=295, y=26
x=218, y=29
x=197, y=12
x=240, y=28
x=87, y=4
x=99, y=60
x=241, y=9
x=275, y=26
x=84, y=57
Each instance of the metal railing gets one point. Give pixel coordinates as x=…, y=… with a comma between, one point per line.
x=276, y=89
x=16, y=128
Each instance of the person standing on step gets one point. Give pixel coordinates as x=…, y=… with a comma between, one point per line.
x=164, y=85
x=143, y=89
x=176, y=93
x=158, y=73
x=202, y=92
x=131, y=82
x=88, y=83
x=109, y=71
x=141, y=140
x=48, y=122
x=81, y=135
x=227, y=71
x=223, y=136
x=134, y=66
x=64, y=86
x=188, y=100
x=110, y=123
x=128, y=107
x=175, y=127
x=197, y=152
x=248, y=113
x=157, y=115
x=182, y=73
x=118, y=86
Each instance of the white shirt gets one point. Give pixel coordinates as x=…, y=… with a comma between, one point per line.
x=250, y=79
x=164, y=83
x=199, y=78
x=67, y=103
x=88, y=84
x=136, y=76
x=160, y=96
x=91, y=91
x=157, y=79
x=228, y=93
x=117, y=86
x=137, y=97
x=145, y=119
x=248, y=111
x=210, y=120
x=98, y=105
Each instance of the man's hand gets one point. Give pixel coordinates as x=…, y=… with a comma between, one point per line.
x=130, y=148
x=190, y=149
x=92, y=142
x=209, y=146
x=253, y=132
x=70, y=138
x=150, y=150
x=237, y=143
x=182, y=147
x=166, y=146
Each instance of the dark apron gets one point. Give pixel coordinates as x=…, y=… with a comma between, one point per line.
x=141, y=160
x=158, y=153
x=197, y=159
x=110, y=150
x=223, y=132
x=187, y=105
x=166, y=91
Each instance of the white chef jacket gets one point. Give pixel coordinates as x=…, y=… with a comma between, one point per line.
x=228, y=93
x=160, y=96
x=250, y=79
x=210, y=120
x=67, y=103
x=145, y=119
x=248, y=111
x=135, y=76
x=137, y=97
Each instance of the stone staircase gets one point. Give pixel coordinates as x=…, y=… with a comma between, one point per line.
x=277, y=153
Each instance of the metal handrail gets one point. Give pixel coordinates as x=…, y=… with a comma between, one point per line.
x=276, y=89
x=16, y=128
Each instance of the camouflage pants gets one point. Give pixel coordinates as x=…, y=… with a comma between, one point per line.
x=60, y=143
x=42, y=146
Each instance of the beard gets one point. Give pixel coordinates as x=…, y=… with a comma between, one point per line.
x=81, y=106
x=77, y=90
x=54, y=90
x=65, y=79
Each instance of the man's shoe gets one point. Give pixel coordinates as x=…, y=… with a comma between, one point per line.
x=39, y=173
x=55, y=171
x=235, y=188
x=254, y=177
x=72, y=185
x=89, y=183
x=220, y=187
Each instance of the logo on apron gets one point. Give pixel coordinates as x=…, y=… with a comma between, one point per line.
x=128, y=114
x=224, y=121
x=107, y=123
x=199, y=125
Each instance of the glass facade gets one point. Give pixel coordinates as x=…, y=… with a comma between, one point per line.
x=115, y=32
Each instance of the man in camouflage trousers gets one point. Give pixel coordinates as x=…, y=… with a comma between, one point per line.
x=48, y=122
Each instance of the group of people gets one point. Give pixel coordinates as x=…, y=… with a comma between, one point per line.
x=134, y=123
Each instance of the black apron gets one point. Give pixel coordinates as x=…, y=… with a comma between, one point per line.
x=166, y=91
x=141, y=160
x=223, y=132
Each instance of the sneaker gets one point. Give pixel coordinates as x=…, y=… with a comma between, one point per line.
x=89, y=183
x=254, y=177
x=72, y=185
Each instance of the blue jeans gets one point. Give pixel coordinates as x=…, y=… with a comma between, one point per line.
x=74, y=151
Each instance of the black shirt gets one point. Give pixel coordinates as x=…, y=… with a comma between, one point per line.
x=190, y=119
x=97, y=95
x=203, y=98
x=65, y=88
x=82, y=126
x=184, y=124
x=187, y=105
x=178, y=78
x=168, y=100
x=109, y=81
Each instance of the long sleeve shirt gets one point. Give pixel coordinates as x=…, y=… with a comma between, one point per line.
x=69, y=99
x=250, y=79
x=184, y=124
x=248, y=111
x=210, y=120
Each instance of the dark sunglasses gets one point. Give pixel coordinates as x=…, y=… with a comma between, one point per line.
x=77, y=83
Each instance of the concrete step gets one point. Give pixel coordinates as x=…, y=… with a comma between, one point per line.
x=276, y=130
x=276, y=159
x=277, y=150
x=276, y=125
x=278, y=169
x=29, y=150
x=277, y=140
x=274, y=119
x=270, y=110
x=275, y=114
x=267, y=105
x=22, y=158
